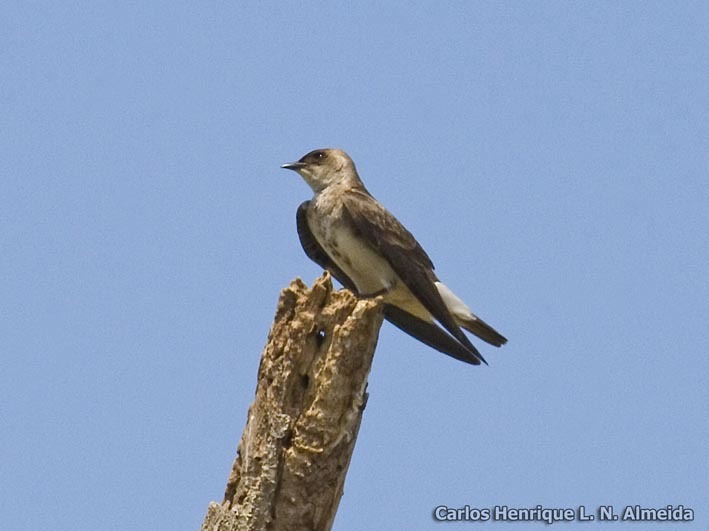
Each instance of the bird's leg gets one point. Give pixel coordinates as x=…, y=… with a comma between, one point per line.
x=373, y=295
x=389, y=285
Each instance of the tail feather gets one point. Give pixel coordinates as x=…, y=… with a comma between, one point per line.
x=467, y=319
x=432, y=335
x=483, y=330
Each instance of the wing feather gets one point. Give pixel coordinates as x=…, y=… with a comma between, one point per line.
x=399, y=248
x=427, y=333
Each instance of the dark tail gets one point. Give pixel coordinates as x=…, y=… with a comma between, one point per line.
x=432, y=335
x=483, y=330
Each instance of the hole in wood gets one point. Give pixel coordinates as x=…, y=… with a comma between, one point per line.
x=288, y=439
x=320, y=337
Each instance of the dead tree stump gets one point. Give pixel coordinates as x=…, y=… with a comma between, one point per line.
x=301, y=429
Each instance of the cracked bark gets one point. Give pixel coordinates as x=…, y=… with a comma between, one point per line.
x=301, y=429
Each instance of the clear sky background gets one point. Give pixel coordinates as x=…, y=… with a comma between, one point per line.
x=551, y=157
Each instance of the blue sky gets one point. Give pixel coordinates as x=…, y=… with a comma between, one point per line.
x=552, y=158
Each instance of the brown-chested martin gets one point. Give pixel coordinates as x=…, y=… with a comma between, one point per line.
x=349, y=233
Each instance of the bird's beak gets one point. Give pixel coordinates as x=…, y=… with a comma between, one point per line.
x=295, y=166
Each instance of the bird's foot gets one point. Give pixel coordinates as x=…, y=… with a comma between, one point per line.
x=373, y=295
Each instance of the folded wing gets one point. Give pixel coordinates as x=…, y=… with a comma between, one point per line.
x=427, y=333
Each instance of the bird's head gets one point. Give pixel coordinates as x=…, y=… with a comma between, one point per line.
x=324, y=167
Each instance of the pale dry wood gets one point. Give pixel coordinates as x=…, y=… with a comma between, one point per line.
x=301, y=429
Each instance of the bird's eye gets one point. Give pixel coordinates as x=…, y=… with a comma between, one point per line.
x=319, y=155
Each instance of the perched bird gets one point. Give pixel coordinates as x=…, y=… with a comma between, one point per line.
x=349, y=233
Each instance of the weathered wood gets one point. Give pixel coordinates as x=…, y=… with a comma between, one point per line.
x=301, y=429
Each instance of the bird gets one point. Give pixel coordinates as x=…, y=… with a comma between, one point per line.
x=346, y=231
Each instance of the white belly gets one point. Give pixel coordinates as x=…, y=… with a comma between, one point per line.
x=364, y=266
x=369, y=271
